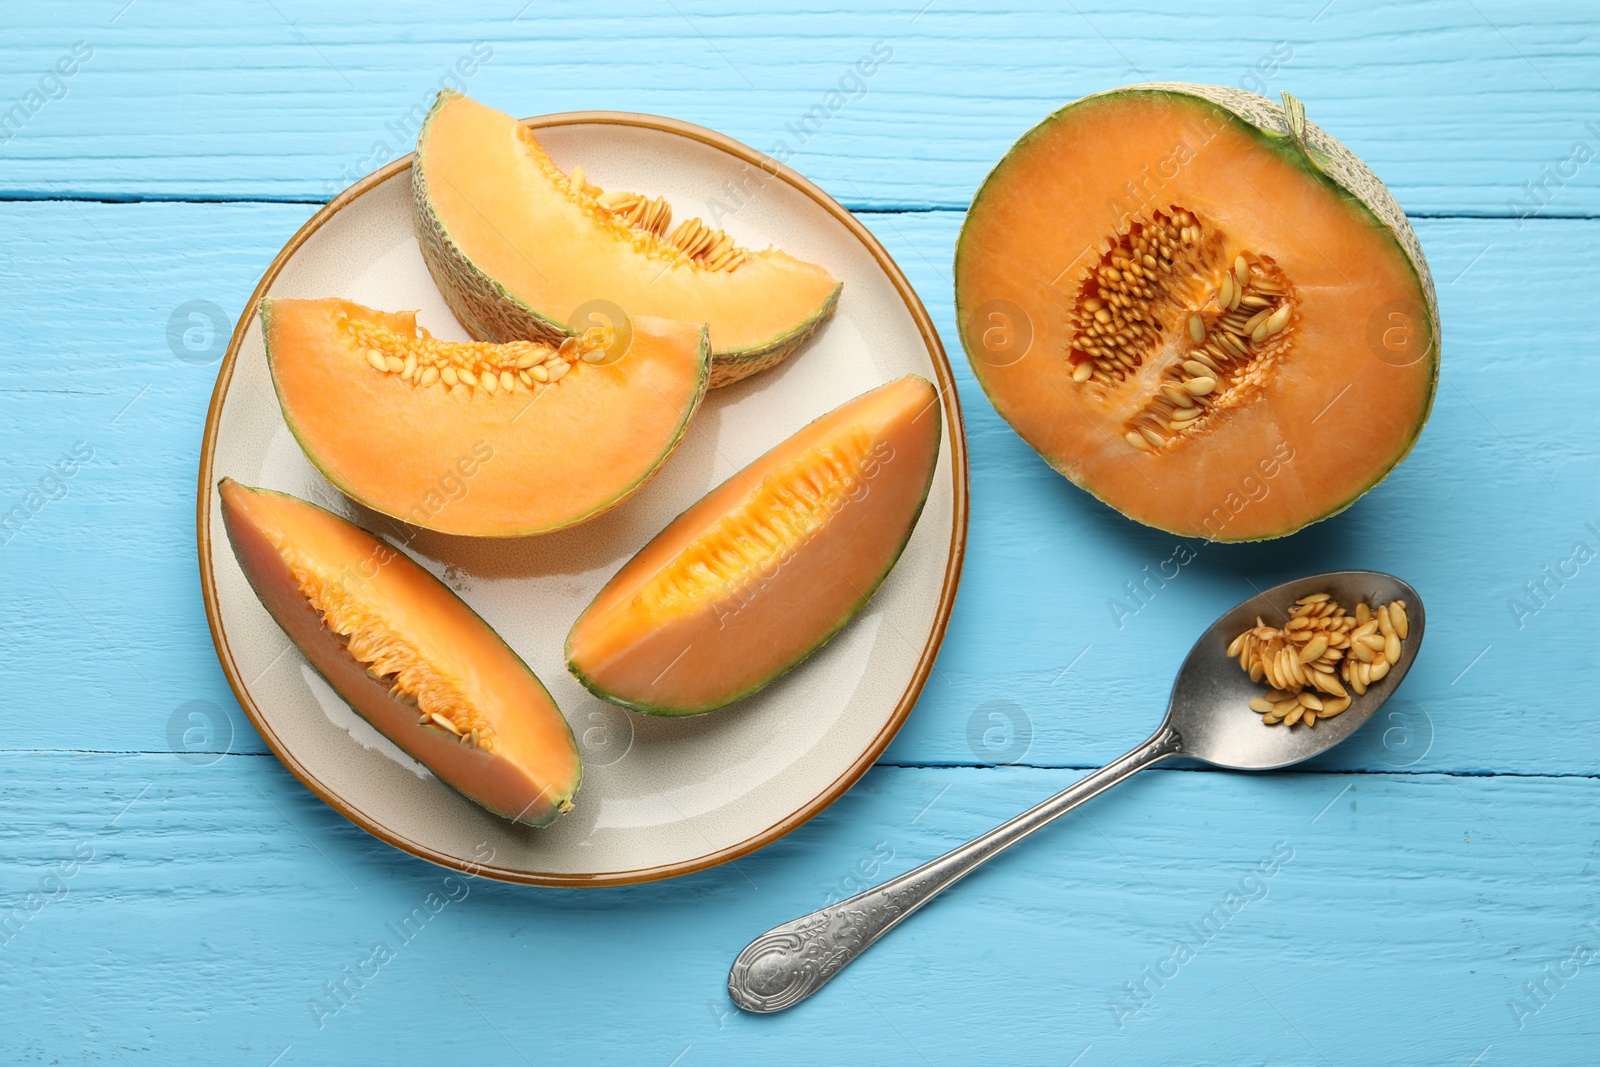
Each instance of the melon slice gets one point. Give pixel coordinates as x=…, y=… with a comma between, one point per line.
x=1200, y=308
x=766, y=567
x=476, y=438
x=407, y=654
x=520, y=249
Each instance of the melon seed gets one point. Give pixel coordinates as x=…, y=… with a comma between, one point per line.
x=1128, y=308
x=1308, y=653
x=375, y=358
x=1177, y=395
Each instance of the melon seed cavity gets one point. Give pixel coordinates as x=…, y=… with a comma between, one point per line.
x=705, y=246
x=473, y=366
x=1178, y=326
x=1320, y=644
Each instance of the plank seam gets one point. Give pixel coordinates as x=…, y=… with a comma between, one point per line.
x=894, y=765
x=859, y=208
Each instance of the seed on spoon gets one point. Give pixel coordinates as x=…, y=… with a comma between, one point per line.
x=1308, y=653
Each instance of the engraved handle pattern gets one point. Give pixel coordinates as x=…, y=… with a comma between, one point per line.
x=790, y=962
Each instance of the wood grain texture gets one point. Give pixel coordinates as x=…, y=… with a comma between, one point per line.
x=1440, y=894
x=1454, y=105
x=1489, y=498
x=211, y=905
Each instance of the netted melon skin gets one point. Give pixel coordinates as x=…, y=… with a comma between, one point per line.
x=490, y=312
x=1317, y=152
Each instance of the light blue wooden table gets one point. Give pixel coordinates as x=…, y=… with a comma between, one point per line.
x=1435, y=892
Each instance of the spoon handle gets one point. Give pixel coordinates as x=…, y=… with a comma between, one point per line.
x=790, y=962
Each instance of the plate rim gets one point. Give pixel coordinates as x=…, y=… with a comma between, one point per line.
x=953, y=567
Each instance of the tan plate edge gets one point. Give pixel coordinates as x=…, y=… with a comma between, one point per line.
x=958, y=539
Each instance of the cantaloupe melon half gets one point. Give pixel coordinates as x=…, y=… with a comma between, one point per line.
x=477, y=438
x=519, y=248
x=769, y=565
x=407, y=654
x=1199, y=307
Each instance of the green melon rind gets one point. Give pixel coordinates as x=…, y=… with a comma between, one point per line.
x=327, y=471
x=735, y=365
x=562, y=803
x=1328, y=161
x=662, y=711
x=491, y=312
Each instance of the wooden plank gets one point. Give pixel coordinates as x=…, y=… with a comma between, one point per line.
x=115, y=630
x=1328, y=919
x=1455, y=105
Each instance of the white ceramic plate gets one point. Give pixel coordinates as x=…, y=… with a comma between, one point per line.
x=660, y=797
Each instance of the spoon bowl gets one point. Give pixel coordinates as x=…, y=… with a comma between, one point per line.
x=1208, y=709
x=1208, y=719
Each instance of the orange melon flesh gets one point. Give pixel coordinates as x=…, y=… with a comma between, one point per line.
x=766, y=567
x=514, y=216
x=1328, y=419
x=397, y=644
x=460, y=459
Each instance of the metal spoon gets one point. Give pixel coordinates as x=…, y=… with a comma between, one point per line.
x=1207, y=719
